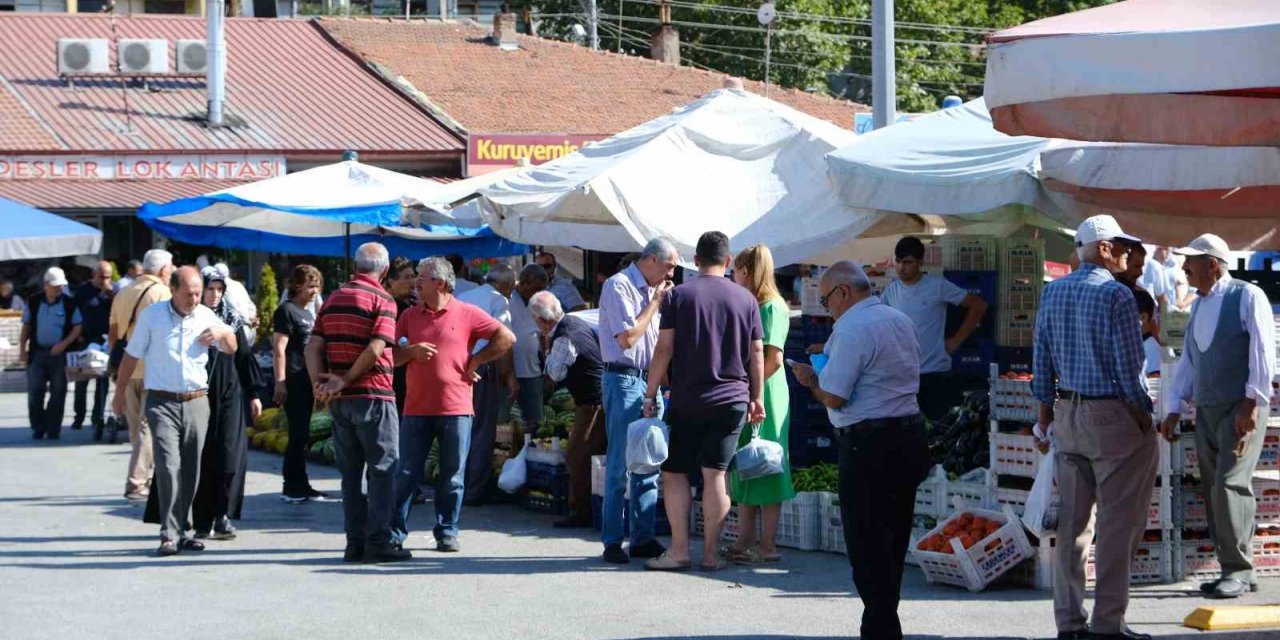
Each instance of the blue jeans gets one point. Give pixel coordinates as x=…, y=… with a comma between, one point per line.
x=623, y=396
x=417, y=434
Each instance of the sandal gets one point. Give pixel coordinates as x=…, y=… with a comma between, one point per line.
x=752, y=557
x=191, y=544
x=720, y=564
x=167, y=548
x=665, y=562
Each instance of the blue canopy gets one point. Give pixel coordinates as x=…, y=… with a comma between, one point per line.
x=322, y=211
x=27, y=233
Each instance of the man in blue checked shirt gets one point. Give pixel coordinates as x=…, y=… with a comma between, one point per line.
x=1088, y=366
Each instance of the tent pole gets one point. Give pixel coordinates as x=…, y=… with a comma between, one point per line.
x=346, y=241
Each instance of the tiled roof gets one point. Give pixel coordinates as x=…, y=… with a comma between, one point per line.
x=545, y=86
x=288, y=86
x=105, y=194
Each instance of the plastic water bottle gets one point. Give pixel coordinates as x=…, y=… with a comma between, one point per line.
x=404, y=341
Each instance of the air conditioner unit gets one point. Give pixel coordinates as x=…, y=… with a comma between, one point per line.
x=83, y=56
x=193, y=57
x=150, y=57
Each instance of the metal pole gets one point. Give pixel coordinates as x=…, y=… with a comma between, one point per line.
x=216, y=74
x=595, y=26
x=884, y=88
x=346, y=242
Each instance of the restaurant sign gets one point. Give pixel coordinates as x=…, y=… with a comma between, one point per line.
x=142, y=167
x=486, y=152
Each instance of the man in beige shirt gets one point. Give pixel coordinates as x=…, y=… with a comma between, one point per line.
x=150, y=287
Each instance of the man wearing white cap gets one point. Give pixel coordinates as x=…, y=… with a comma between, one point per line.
x=50, y=325
x=1233, y=317
x=1088, y=366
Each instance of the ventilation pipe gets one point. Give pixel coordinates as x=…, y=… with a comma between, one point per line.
x=216, y=74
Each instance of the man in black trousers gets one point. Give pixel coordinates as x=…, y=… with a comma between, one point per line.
x=93, y=299
x=869, y=388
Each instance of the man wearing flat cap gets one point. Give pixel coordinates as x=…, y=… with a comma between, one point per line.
x=1088, y=365
x=1227, y=363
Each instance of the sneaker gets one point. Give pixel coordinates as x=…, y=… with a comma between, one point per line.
x=223, y=529
x=448, y=544
x=648, y=551
x=386, y=553
x=353, y=553
x=614, y=554
x=294, y=498
x=317, y=496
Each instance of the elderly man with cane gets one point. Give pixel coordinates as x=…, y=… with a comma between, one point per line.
x=1226, y=367
x=1088, y=363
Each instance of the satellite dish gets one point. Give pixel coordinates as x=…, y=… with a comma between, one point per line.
x=767, y=14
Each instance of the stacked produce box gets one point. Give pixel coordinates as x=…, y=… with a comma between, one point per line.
x=970, y=262
x=812, y=438
x=1015, y=460
x=1021, y=278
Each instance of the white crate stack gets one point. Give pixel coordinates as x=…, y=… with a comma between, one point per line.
x=1021, y=278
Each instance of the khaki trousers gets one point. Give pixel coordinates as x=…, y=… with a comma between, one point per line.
x=1227, y=483
x=141, y=459
x=1104, y=457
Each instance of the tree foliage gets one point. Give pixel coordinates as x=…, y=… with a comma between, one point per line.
x=268, y=299
x=818, y=45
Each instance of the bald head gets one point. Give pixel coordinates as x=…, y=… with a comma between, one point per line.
x=187, y=286
x=102, y=273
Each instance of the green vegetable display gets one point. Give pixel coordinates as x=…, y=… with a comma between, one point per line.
x=820, y=477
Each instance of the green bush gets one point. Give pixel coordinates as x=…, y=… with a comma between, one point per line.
x=268, y=299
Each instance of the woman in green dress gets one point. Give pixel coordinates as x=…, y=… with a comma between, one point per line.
x=763, y=497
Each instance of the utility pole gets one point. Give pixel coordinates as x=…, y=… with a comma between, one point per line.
x=884, y=87
x=595, y=26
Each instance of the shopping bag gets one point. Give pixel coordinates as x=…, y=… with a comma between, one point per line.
x=646, y=445
x=514, y=472
x=1041, y=514
x=758, y=458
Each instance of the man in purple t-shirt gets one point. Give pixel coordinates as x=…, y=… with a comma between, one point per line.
x=711, y=352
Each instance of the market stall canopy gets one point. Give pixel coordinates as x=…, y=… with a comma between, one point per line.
x=28, y=233
x=948, y=163
x=1165, y=71
x=320, y=210
x=730, y=161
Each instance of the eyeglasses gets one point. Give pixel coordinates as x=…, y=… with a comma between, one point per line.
x=823, y=300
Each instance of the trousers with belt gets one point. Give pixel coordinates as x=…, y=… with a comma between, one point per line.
x=178, y=432
x=46, y=374
x=880, y=469
x=1106, y=458
x=1227, y=483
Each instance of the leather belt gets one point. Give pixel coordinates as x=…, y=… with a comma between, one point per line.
x=185, y=396
x=1067, y=394
x=884, y=423
x=626, y=370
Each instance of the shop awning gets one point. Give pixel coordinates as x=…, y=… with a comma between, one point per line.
x=1190, y=72
x=27, y=233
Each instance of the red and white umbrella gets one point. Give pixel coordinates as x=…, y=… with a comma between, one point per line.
x=1194, y=72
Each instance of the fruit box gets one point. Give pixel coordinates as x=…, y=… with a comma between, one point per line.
x=1199, y=560
x=1014, y=454
x=800, y=522
x=730, y=532
x=1265, y=491
x=832, y=524
x=1011, y=399
x=1150, y=565
x=931, y=495
x=1002, y=546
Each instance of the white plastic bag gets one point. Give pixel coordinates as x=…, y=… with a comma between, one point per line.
x=514, y=473
x=758, y=458
x=1041, y=514
x=646, y=445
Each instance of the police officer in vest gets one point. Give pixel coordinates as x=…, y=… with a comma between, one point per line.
x=50, y=327
x=1227, y=363
x=573, y=360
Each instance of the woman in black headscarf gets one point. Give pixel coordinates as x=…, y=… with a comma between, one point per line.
x=233, y=378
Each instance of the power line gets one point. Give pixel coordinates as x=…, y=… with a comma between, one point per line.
x=813, y=17
x=803, y=34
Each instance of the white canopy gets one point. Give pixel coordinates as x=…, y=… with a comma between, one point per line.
x=731, y=161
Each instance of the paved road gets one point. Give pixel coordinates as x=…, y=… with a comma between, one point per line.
x=76, y=562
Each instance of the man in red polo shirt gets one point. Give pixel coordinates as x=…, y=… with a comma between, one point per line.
x=349, y=362
x=436, y=339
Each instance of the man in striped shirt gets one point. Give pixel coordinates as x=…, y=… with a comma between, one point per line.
x=350, y=363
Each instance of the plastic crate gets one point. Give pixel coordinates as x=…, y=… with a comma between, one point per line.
x=1173, y=327
x=1266, y=494
x=1198, y=559
x=544, y=501
x=1014, y=455
x=981, y=564
x=540, y=475
x=931, y=495
x=1152, y=564
x=800, y=522
x=1187, y=457
x=1021, y=259
x=971, y=490
x=1159, y=513
x=1015, y=329
x=832, y=524
x=728, y=533
x=1013, y=359
x=917, y=534
x=551, y=456
x=968, y=253
x=981, y=283
x=1018, y=296
x=1012, y=400
x=973, y=357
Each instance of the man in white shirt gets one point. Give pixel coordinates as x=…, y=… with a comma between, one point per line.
x=527, y=353
x=562, y=287
x=1227, y=364
x=924, y=297
x=869, y=389
x=173, y=340
x=493, y=297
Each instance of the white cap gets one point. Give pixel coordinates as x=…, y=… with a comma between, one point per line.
x=1207, y=245
x=54, y=277
x=1100, y=228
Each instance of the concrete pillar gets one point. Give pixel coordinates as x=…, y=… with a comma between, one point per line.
x=665, y=45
